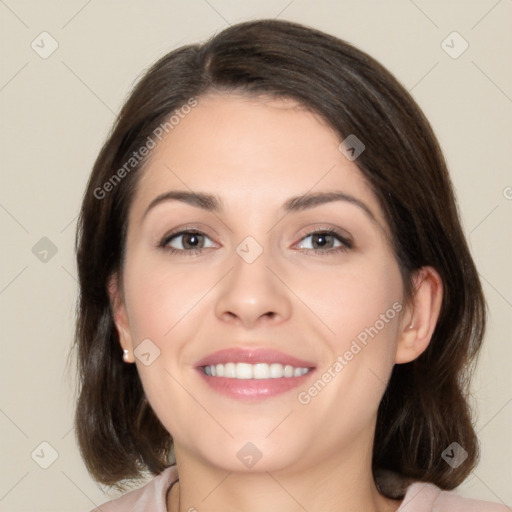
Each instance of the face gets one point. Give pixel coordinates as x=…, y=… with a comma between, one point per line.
x=292, y=306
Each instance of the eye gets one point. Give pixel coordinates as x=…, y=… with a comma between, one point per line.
x=192, y=242
x=326, y=240
x=186, y=241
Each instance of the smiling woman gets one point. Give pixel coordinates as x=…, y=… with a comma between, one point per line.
x=287, y=271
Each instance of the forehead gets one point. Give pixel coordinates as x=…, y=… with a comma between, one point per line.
x=253, y=152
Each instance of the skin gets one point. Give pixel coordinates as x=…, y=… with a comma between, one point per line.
x=255, y=154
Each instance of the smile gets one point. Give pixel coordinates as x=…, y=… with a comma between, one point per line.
x=254, y=371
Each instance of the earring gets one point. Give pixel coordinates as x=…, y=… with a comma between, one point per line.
x=126, y=355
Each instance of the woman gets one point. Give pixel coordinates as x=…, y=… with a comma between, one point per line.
x=278, y=305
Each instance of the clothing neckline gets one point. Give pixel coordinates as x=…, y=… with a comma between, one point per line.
x=429, y=492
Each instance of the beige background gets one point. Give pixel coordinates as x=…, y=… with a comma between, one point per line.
x=56, y=111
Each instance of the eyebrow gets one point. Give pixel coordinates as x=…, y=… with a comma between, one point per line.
x=214, y=203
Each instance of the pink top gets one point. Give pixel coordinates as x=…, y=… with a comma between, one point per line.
x=420, y=497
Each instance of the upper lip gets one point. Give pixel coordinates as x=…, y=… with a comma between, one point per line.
x=253, y=356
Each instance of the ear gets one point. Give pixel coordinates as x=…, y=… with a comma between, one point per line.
x=118, y=308
x=420, y=317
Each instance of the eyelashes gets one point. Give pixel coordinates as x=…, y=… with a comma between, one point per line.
x=193, y=242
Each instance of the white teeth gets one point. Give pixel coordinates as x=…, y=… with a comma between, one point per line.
x=229, y=370
x=260, y=371
x=254, y=371
x=288, y=371
x=276, y=371
x=243, y=371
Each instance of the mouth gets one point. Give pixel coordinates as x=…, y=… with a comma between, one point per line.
x=244, y=371
x=253, y=374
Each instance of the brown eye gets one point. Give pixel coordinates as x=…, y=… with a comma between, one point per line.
x=186, y=241
x=325, y=241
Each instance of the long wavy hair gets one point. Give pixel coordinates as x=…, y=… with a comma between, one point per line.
x=425, y=406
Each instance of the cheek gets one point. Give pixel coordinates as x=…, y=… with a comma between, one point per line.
x=160, y=297
x=354, y=298
x=360, y=309
x=160, y=301
x=363, y=310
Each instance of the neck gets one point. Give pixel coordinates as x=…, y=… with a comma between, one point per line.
x=343, y=484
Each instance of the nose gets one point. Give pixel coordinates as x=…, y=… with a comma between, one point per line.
x=253, y=293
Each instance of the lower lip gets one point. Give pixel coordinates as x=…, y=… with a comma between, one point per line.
x=253, y=389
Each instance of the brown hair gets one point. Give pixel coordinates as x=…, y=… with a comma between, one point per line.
x=425, y=407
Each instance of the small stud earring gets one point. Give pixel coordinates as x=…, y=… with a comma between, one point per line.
x=126, y=355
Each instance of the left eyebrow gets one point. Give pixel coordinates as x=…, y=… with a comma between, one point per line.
x=305, y=201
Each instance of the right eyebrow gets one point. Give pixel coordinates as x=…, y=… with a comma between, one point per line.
x=207, y=202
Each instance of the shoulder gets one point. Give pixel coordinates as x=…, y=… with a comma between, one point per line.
x=425, y=497
x=149, y=498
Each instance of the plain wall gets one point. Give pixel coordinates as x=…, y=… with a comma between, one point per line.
x=56, y=112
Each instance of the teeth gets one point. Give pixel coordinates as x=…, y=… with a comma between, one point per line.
x=253, y=371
